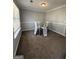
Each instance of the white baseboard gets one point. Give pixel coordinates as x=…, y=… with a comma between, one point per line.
x=18, y=57
x=57, y=32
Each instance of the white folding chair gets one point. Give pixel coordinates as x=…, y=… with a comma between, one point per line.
x=37, y=26
x=45, y=28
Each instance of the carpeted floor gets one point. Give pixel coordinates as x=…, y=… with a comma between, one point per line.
x=38, y=47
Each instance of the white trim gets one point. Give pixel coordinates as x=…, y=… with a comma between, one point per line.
x=18, y=57
x=58, y=23
x=57, y=32
x=16, y=32
x=27, y=29
x=56, y=8
x=26, y=26
x=17, y=36
x=27, y=22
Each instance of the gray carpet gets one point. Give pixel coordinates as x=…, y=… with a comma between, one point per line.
x=39, y=47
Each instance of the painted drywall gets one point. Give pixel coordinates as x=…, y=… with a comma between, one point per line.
x=28, y=17
x=16, y=18
x=16, y=28
x=57, y=19
x=16, y=41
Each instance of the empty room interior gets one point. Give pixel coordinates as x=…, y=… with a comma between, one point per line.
x=39, y=29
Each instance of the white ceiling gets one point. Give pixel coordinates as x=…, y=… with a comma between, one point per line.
x=35, y=6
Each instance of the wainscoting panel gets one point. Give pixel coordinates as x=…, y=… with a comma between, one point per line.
x=27, y=26
x=16, y=40
x=58, y=28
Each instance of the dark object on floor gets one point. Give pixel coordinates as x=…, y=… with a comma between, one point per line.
x=39, y=31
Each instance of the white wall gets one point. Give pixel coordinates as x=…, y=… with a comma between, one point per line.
x=16, y=28
x=28, y=18
x=16, y=18
x=57, y=19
